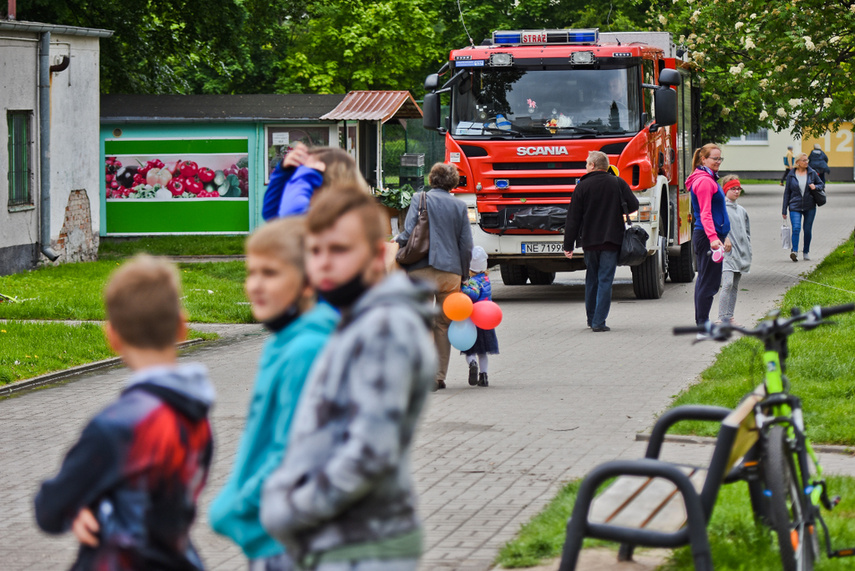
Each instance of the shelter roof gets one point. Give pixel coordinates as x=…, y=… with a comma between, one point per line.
x=376, y=106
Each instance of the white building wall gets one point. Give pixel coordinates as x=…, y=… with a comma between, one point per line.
x=758, y=159
x=74, y=122
x=18, y=92
x=75, y=128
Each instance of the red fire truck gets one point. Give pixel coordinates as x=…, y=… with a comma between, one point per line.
x=527, y=106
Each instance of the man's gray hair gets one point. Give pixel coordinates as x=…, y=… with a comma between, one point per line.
x=599, y=160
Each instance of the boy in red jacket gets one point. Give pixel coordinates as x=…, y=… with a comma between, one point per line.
x=128, y=488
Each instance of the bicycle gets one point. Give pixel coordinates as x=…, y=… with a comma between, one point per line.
x=785, y=492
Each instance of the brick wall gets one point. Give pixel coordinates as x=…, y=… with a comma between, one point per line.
x=77, y=241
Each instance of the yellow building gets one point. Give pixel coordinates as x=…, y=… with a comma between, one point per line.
x=761, y=154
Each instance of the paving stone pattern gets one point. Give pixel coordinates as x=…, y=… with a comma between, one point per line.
x=561, y=400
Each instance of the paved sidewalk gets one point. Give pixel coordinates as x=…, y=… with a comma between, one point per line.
x=561, y=399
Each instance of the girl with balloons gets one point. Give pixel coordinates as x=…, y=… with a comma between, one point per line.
x=474, y=333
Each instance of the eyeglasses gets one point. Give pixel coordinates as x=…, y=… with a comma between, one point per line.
x=717, y=159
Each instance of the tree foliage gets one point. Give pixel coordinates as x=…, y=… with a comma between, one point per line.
x=763, y=65
x=481, y=17
x=777, y=65
x=150, y=36
x=360, y=44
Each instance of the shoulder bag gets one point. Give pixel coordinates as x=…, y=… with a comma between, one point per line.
x=819, y=196
x=418, y=244
x=633, y=250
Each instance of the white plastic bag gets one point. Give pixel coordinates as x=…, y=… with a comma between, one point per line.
x=786, y=237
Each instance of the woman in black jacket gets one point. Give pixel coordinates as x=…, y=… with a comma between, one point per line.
x=801, y=182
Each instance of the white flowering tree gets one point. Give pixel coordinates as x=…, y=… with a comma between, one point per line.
x=775, y=65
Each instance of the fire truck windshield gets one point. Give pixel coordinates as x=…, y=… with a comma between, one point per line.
x=545, y=103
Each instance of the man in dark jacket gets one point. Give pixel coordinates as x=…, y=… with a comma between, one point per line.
x=818, y=161
x=595, y=220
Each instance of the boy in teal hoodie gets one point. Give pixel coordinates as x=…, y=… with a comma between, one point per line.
x=281, y=299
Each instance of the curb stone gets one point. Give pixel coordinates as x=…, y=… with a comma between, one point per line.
x=49, y=378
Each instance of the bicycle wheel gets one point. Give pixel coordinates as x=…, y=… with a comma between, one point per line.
x=789, y=509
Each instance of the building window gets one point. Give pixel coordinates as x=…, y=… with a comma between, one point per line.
x=759, y=137
x=280, y=139
x=20, y=158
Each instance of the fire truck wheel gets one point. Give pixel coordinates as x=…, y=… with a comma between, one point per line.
x=648, y=278
x=681, y=269
x=513, y=274
x=536, y=277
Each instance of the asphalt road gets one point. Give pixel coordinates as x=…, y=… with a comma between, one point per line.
x=561, y=400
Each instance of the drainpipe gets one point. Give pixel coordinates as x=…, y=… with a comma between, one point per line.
x=44, y=145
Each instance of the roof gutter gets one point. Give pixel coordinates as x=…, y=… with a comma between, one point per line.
x=44, y=146
x=37, y=28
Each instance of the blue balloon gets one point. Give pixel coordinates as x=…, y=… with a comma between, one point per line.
x=462, y=334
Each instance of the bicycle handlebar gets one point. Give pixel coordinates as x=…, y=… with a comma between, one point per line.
x=772, y=325
x=835, y=309
x=688, y=330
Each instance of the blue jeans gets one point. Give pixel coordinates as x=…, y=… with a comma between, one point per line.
x=598, y=285
x=798, y=218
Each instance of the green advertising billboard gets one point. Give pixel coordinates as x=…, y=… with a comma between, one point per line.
x=175, y=186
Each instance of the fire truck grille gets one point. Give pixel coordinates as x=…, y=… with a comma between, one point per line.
x=542, y=181
x=566, y=165
x=527, y=195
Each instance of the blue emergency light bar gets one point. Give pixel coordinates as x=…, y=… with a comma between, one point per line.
x=544, y=37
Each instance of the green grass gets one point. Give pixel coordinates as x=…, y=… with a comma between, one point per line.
x=821, y=365
x=543, y=536
x=172, y=246
x=31, y=349
x=737, y=544
x=213, y=292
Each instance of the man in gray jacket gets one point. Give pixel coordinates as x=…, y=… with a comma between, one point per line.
x=343, y=497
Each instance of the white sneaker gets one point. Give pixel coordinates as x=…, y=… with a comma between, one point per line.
x=701, y=336
x=806, y=257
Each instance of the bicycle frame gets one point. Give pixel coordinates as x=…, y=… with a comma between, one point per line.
x=788, y=412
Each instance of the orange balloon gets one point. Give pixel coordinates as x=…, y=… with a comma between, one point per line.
x=457, y=306
x=486, y=314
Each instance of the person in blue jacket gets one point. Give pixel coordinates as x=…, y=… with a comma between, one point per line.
x=478, y=288
x=302, y=174
x=280, y=298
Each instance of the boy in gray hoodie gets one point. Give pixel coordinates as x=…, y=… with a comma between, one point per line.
x=343, y=496
x=738, y=260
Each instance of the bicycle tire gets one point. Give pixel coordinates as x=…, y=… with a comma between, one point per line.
x=788, y=508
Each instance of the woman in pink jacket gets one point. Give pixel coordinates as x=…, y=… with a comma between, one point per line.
x=711, y=226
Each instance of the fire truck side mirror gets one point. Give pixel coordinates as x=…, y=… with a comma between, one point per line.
x=431, y=110
x=669, y=78
x=665, y=103
x=432, y=82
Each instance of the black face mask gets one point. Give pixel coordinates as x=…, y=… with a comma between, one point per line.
x=346, y=294
x=283, y=320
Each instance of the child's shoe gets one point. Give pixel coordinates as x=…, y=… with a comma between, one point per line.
x=473, y=373
x=482, y=380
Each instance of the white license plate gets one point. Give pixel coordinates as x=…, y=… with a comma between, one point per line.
x=542, y=248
